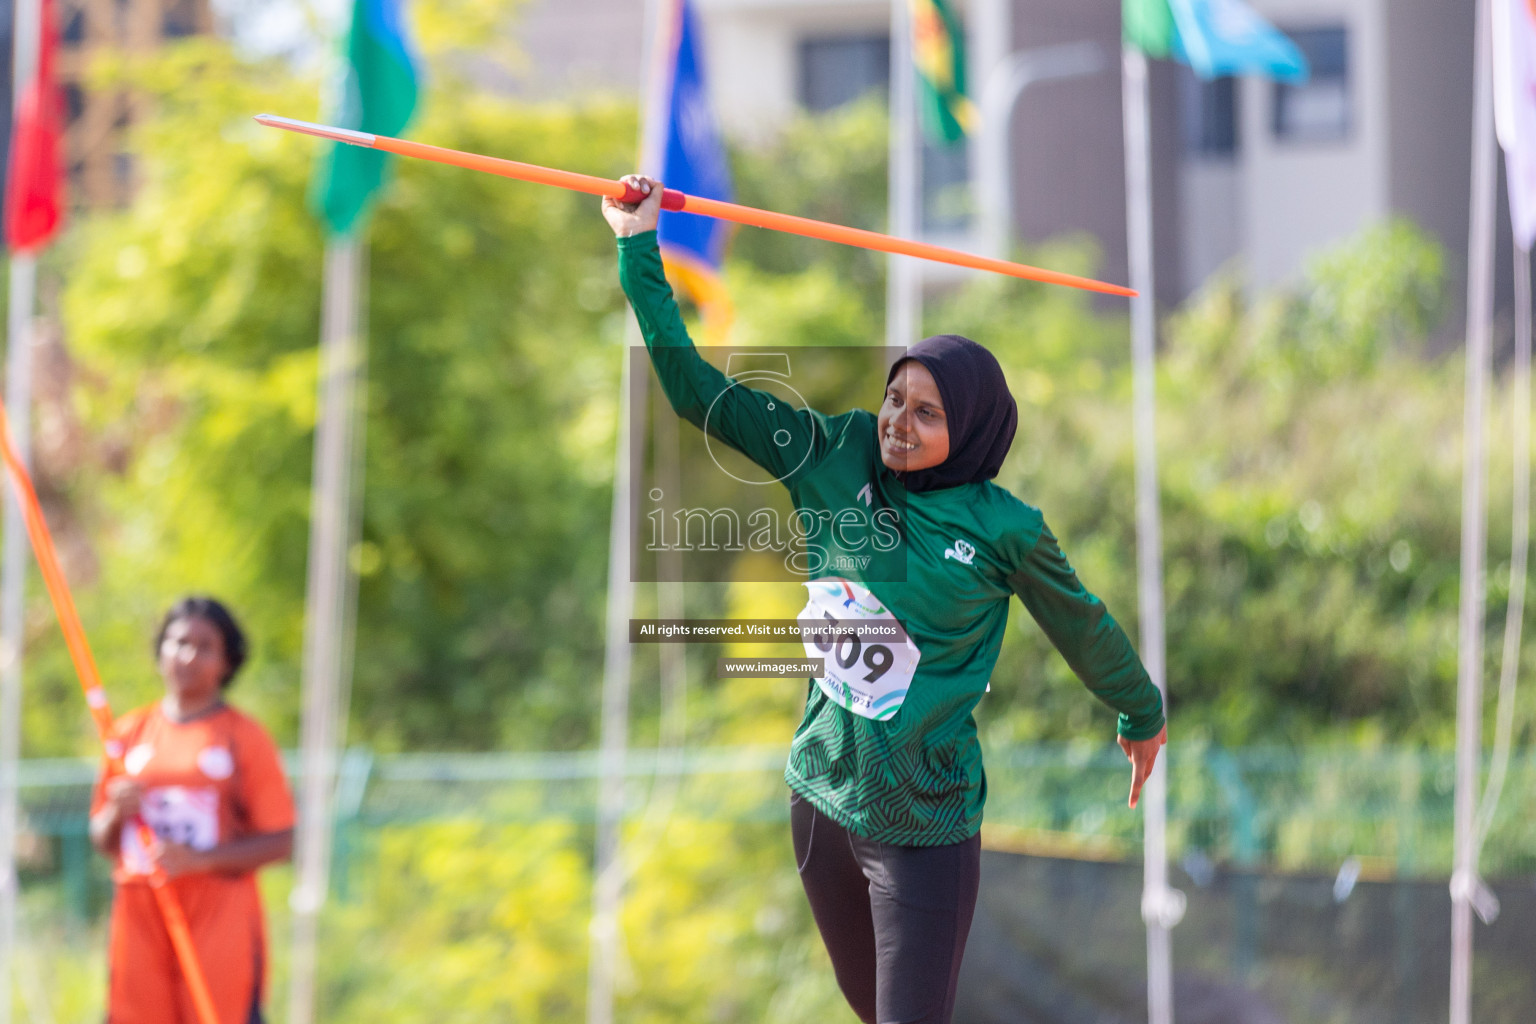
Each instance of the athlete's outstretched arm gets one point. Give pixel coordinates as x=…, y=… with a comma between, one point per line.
x=742, y=417
x=1097, y=649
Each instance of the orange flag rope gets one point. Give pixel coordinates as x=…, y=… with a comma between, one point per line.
x=96, y=699
x=675, y=200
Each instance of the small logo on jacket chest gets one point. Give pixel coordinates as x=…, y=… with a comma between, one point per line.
x=961, y=551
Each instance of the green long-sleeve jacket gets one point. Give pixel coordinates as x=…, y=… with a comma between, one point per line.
x=915, y=779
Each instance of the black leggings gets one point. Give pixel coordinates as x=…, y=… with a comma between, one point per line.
x=894, y=918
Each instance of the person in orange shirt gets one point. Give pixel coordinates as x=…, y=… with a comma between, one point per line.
x=208, y=782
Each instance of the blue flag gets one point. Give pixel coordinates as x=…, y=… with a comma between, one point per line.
x=1227, y=37
x=693, y=161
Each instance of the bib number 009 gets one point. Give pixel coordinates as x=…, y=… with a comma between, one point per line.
x=867, y=658
x=846, y=648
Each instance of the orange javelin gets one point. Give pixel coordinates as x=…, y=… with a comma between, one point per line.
x=96, y=699
x=674, y=200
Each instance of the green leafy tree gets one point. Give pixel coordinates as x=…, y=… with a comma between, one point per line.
x=493, y=318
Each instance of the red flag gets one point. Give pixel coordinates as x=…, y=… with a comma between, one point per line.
x=34, y=192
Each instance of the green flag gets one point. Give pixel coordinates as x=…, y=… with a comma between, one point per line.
x=1148, y=26
x=377, y=95
x=938, y=52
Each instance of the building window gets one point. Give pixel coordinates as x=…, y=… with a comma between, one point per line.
x=1208, y=116
x=180, y=19
x=123, y=172
x=841, y=69
x=837, y=70
x=1318, y=110
x=74, y=102
x=73, y=33
x=946, y=186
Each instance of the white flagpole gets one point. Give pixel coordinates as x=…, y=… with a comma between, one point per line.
x=903, y=283
x=1467, y=889
x=608, y=867
x=325, y=613
x=1161, y=906
x=991, y=29
x=13, y=577
x=13, y=572
x=608, y=872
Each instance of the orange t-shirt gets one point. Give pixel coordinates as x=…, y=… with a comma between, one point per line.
x=205, y=782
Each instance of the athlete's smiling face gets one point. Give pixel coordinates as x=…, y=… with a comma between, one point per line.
x=913, y=431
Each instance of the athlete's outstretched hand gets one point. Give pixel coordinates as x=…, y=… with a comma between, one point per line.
x=634, y=218
x=1142, y=755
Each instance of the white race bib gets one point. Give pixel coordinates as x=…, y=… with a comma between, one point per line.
x=869, y=659
x=177, y=814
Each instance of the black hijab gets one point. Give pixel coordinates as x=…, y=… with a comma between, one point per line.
x=978, y=408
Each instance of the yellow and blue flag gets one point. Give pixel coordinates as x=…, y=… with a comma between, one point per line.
x=693, y=161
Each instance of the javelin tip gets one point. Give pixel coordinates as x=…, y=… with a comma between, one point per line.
x=323, y=131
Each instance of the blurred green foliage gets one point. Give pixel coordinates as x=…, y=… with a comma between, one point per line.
x=832, y=168
x=1310, y=475
x=493, y=321
x=716, y=929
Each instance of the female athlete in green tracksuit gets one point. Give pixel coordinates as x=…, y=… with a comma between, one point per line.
x=885, y=769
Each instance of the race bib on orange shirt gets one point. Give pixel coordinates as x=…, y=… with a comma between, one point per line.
x=188, y=815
